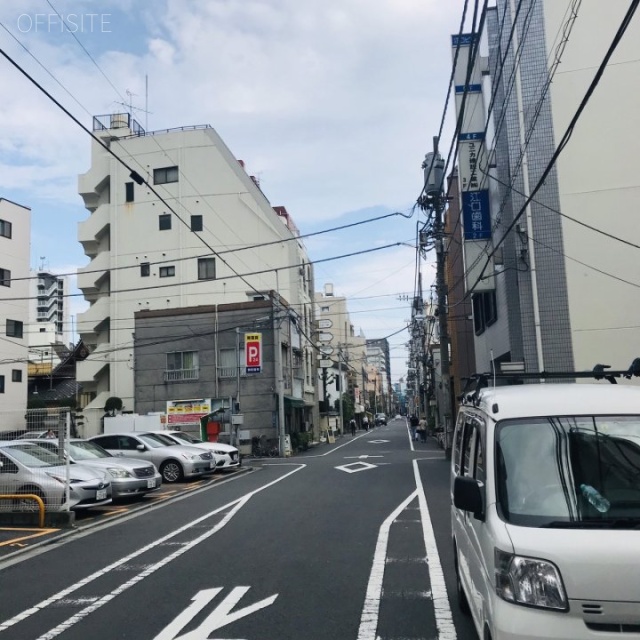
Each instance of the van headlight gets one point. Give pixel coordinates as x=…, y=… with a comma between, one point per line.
x=529, y=581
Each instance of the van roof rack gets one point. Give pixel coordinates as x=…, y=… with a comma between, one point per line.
x=599, y=372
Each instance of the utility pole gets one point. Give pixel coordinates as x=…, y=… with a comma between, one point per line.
x=434, y=179
x=340, y=390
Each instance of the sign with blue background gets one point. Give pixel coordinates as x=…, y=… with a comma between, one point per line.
x=476, y=215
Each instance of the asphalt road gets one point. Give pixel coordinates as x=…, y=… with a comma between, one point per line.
x=350, y=541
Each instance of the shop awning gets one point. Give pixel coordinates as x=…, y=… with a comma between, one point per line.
x=293, y=403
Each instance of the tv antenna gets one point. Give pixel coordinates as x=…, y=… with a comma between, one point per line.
x=131, y=108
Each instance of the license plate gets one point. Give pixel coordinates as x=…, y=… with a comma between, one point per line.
x=101, y=494
x=151, y=483
x=212, y=464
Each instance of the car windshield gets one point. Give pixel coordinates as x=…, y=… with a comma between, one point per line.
x=155, y=440
x=33, y=456
x=87, y=451
x=187, y=438
x=580, y=470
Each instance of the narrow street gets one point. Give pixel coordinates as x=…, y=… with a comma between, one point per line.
x=348, y=541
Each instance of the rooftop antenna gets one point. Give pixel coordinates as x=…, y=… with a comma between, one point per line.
x=42, y=259
x=131, y=108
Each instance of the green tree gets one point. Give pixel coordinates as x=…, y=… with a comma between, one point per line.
x=112, y=405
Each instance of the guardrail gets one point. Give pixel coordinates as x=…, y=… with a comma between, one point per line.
x=28, y=496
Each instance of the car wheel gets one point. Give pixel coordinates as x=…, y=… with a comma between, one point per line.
x=25, y=504
x=463, y=603
x=171, y=471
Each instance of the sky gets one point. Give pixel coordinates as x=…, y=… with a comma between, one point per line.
x=332, y=104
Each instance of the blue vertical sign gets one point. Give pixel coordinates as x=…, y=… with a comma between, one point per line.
x=476, y=216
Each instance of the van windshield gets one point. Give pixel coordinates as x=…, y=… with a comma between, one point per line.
x=569, y=471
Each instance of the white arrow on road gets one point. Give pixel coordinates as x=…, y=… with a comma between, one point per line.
x=218, y=618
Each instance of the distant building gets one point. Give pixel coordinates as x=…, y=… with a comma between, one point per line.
x=15, y=251
x=144, y=257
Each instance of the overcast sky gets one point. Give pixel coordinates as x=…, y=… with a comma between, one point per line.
x=331, y=104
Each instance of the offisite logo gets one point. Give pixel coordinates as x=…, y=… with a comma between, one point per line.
x=72, y=22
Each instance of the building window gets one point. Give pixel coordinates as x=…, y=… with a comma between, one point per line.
x=5, y=277
x=206, y=268
x=164, y=221
x=5, y=228
x=229, y=363
x=181, y=365
x=167, y=272
x=128, y=191
x=196, y=223
x=1, y=384
x=16, y=375
x=14, y=328
x=164, y=175
x=324, y=309
x=145, y=269
x=43, y=330
x=484, y=311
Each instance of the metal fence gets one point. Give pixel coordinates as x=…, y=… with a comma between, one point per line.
x=33, y=476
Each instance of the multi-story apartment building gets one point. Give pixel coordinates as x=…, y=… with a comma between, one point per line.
x=338, y=342
x=564, y=291
x=15, y=249
x=212, y=237
x=49, y=317
x=378, y=355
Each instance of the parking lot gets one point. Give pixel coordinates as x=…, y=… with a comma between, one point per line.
x=16, y=539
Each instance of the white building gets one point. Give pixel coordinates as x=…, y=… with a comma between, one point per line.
x=15, y=249
x=222, y=243
x=49, y=317
x=338, y=341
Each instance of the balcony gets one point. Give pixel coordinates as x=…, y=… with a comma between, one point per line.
x=95, y=315
x=92, y=183
x=93, y=228
x=91, y=277
x=91, y=369
x=181, y=375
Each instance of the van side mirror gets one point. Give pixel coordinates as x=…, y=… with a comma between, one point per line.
x=468, y=495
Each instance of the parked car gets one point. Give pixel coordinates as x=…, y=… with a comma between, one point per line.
x=546, y=510
x=129, y=476
x=175, y=462
x=26, y=467
x=226, y=456
x=380, y=418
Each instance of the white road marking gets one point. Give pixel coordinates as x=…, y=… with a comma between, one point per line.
x=407, y=594
x=422, y=560
x=354, y=467
x=236, y=504
x=378, y=441
x=220, y=617
x=361, y=457
x=371, y=608
x=444, y=619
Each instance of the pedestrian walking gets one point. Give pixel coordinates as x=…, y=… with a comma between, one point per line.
x=413, y=425
x=365, y=423
x=422, y=430
x=352, y=424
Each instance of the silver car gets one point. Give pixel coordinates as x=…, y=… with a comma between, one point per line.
x=27, y=468
x=226, y=456
x=129, y=476
x=175, y=462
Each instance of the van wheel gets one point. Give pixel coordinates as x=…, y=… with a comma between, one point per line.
x=463, y=603
x=171, y=471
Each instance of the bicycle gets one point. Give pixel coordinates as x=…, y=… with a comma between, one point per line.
x=261, y=449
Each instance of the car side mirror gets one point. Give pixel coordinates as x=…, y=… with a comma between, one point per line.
x=141, y=447
x=468, y=495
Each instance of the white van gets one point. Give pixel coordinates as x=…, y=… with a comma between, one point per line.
x=545, y=484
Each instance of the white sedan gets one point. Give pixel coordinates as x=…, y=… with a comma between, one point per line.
x=227, y=457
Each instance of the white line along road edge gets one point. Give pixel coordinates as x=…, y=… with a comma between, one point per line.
x=371, y=608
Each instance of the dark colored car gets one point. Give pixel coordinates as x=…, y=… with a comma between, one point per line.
x=380, y=419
